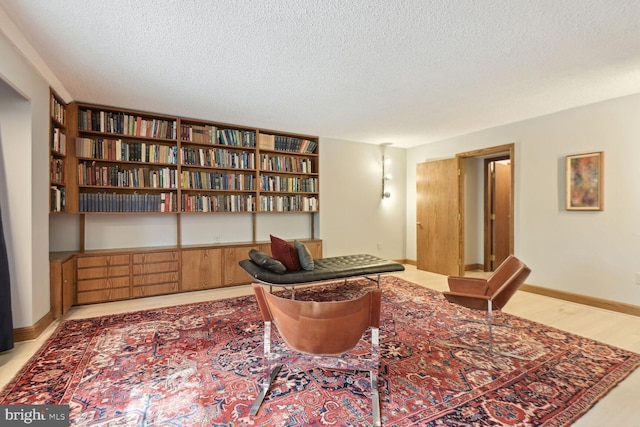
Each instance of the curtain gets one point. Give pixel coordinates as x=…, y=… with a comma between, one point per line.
x=6, y=320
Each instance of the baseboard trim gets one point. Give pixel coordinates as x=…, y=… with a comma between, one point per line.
x=32, y=332
x=471, y=267
x=616, y=306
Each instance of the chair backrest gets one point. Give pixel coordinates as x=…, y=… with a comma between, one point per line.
x=320, y=328
x=506, y=279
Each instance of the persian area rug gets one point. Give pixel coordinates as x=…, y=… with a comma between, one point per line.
x=199, y=365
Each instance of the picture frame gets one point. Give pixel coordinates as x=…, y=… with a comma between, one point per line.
x=584, y=183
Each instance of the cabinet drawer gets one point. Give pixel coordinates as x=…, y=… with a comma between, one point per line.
x=164, y=288
x=102, y=261
x=103, y=272
x=95, y=284
x=148, y=279
x=103, y=295
x=155, y=268
x=152, y=257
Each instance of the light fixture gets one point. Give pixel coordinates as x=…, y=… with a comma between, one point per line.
x=386, y=161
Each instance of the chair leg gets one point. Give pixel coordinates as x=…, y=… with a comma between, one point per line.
x=375, y=399
x=490, y=346
x=489, y=322
x=265, y=389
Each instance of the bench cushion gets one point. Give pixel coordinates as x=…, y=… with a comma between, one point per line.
x=325, y=269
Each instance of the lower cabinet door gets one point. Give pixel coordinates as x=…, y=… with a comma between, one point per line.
x=201, y=269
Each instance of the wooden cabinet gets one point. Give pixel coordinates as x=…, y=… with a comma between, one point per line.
x=62, y=284
x=233, y=273
x=201, y=269
x=315, y=247
x=155, y=273
x=103, y=278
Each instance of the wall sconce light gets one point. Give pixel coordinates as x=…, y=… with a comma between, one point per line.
x=386, y=161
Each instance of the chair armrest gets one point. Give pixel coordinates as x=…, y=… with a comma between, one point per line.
x=468, y=285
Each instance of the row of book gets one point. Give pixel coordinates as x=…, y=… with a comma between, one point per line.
x=217, y=181
x=209, y=134
x=59, y=141
x=288, y=204
x=132, y=202
x=126, y=124
x=56, y=170
x=288, y=184
x=167, y=202
x=118, y=150
x=116, y=176
x=58, y=111
x=286, y=164
x=57, y=199
x=220, y=158
x=286, y=143
x=297, y=145
x=218, y=203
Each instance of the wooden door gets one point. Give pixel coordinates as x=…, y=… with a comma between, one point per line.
x=501, y=212
x=438, y=216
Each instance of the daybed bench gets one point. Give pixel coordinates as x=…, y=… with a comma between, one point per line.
x=325, y=269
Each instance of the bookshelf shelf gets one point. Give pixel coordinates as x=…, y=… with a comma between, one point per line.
x=57, y=155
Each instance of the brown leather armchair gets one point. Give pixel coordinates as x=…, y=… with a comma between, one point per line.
x=488, y=294
x=319, y=333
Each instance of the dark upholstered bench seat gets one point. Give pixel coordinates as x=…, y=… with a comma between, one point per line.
x=325, y=269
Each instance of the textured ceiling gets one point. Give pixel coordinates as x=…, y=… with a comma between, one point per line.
x=407, y=72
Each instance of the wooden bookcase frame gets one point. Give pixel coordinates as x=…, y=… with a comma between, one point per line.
x=87, y=276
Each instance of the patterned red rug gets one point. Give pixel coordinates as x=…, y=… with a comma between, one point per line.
x=198, y=365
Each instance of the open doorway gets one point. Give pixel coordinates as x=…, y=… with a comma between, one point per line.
x=497, y=215
x=451, y=228
x=487, y=196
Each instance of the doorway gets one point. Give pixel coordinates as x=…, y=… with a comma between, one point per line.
x=497, y=215
x=451, y=219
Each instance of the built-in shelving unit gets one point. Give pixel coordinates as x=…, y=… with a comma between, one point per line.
x=127, y=162
x=132, y=162
x=218, y=168
x=123, y=162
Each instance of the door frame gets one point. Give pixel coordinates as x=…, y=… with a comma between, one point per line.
x=507, y=150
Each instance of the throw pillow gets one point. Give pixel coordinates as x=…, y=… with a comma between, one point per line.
x=265, y=261
x=285, y=253
x=304, y=255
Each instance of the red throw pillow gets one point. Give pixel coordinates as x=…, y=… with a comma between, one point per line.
x=285, y=252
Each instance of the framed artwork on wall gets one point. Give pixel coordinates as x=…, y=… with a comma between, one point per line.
x=585, y=173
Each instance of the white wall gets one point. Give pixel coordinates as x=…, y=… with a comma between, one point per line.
x=353, y=216
x=24, y=142
x=590, y=253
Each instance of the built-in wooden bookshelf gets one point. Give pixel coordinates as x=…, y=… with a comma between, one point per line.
x=127, y=162
x=137, y=162
x=58, y=155
x=288, y=173
x=218, y=168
